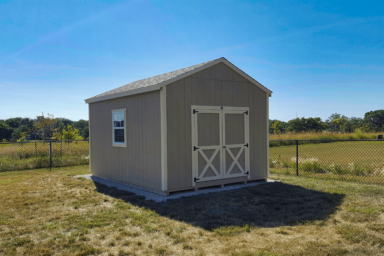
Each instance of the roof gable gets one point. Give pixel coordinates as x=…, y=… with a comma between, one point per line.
x=156, y=82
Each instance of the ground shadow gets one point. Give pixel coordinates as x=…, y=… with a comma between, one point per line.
x=265, y=205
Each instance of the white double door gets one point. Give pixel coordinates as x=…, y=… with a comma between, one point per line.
x=220, y=142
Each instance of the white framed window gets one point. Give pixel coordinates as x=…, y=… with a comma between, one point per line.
x=119, y=134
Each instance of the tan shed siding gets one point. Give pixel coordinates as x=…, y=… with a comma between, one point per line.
x=218, y=85
x=140, y=162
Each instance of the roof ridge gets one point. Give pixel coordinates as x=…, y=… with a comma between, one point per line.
x=153, y=80
x=156, y=82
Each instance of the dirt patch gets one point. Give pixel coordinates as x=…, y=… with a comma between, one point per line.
x=267, y=205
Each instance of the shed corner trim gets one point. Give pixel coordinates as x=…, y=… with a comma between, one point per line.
x=163, y=121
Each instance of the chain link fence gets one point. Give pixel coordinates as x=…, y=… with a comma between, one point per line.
x=43, y=154
x=352, y=160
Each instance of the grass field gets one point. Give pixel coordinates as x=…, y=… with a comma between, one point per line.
x=358, y=135
x=33, y=155
x=356, y=160
x=53, y=213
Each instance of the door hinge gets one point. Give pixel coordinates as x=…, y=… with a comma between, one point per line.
x=194, y=148
x=194, y=111
x=246, y=145
x=195, y=179
x=246, y=112
x=247, y=173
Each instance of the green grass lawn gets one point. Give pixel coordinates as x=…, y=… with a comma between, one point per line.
x=54, y=213
x=360, y=160
x=31, y=155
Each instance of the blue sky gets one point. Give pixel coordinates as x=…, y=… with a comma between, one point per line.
x=318, y=57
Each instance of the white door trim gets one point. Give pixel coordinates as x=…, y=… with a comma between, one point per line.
x=219, y=149
x=243, y=147
x=196, y=149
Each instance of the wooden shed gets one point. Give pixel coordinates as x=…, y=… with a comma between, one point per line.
x=200, y=126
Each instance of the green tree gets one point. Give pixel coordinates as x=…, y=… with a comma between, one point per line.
x=276, y=127
x=17, y=133
x=45, y=126
x=306, y=124
x=375, y=119
x=340, y=122
x=85, y=132
x=71, y=133
x=333, y=126
x=353, y=124
x=5, y=131
x=82, y=126
x=13, y=122
x=63, y=122
x=22, y=137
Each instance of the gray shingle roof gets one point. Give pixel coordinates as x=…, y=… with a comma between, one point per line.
x=151, y=80
x=145, y=84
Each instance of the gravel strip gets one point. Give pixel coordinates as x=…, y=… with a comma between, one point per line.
x=159, y=198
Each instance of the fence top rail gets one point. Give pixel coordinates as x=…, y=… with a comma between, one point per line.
x=326, y=140
x=33, y=141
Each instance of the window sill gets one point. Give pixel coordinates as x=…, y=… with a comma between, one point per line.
x=119, y=145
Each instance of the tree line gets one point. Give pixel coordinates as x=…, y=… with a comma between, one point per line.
x=43, y=127
x=373, y=121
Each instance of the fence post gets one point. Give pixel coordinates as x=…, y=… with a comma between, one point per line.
x=297, y=158
x=50, y=155
x=36, y=149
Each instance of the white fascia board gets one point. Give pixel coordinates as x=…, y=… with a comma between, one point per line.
x=158, y=86
x=249, y=78
x=124, y=93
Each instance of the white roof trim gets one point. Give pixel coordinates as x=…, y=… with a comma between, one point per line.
x=158, y=86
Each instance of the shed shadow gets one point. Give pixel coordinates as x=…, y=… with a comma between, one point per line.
x=265, y=205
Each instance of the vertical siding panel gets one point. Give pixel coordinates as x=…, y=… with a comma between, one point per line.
x=194, y=91
x=258, y=132
x=128, y=156
x=137, y=140
x=152, y=141
x=263, y=138
x=200, y=91
x=134, y=140
x=217, y=72
x=142, y=146
x=120, y=163
x=157, y=137
x=226, y=96
x=188, y=131
x=217, y=84
x=174, y=136
x=206, y=73
x=144, y=143
x=252, y=131
x=105, y=128
x=181, y=132
x=170, y=156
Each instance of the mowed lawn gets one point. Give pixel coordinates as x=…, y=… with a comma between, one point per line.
x=359, y=158
x=54, y=213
